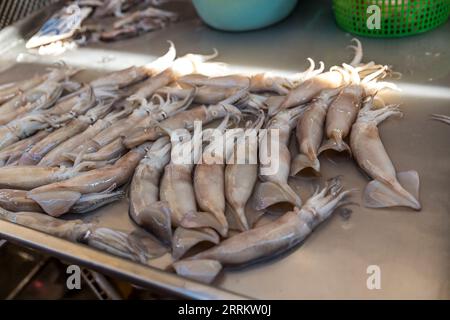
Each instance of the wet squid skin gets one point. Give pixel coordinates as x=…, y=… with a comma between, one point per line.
x=125, y=77
x=45, y=98
x=204, y=94
x=144, y=116
x=16, y=200
x=275, y=188
x=71, y=105
x=240, y=178
x=309, y=132
x=57, y=155
x=38, y=98
x=57, y=198
x=177, y=190
x=29, y=177
x=12, y=153
x=388, y=187
x=310, y=88
x=261, y=82
x=74, y=127
x=38, y=95
x=341, y=115
x=145, y=208
x=9, y=91
x=120, y=243
x=209, y=176
x=184, y=119
x=121, y=78
x=27, y=124
x=274, y=237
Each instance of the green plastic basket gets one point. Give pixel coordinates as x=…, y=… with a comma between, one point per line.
x=397, y=18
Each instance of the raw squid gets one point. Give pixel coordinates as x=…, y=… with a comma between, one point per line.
x=275, y=188
x=11, y=154
x=441, y=117
x=310, y=88
x=341, y=115
x=40, y=149
x=274, y=237
x=186, y=119
x=240, y=178
x=145, y=208
x=209, y=175
x=120, y=243
x=57, y=155
x=16, y=200
x=57, y=198
x=309, y=132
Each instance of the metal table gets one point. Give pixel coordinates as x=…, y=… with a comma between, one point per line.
x=411, y=248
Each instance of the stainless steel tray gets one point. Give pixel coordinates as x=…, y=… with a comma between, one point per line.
x=411, y=248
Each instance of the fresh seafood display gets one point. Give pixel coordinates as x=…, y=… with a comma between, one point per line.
x=388, y=188
x=273, y=237
x=195, y=149
x=81, y=22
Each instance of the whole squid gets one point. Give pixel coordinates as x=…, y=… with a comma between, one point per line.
x=388, y=188
x=441, y=117
x=274, y=237
x=241, y=174
x=144, y=116
x=176, y=186
x=57, y=155
x=10, y=90
x=309, y=132
x=17, y=200
x=204, y=94
x=275, y=188
x=186, y=119
x=209, y=174
x=11, y=154
x=29, y=177
x=145, y=208
x=308, y=89
x=116, y=242
x=40, y=149
x=341, y=115
x=57, y=198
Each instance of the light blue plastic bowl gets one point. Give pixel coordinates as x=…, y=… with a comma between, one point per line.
x=242, y=15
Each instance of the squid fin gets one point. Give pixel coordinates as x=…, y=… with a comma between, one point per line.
x=380, y=195
x=269, y=193
x=237, y=217
x=410, y=181
x=332, y=144
x=185, y=239
x=200, y=219
x=155, y=219
x=55, y=203
x=202, y=270
x=301, y=162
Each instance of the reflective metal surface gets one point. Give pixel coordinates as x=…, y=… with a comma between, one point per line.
x=411, y=248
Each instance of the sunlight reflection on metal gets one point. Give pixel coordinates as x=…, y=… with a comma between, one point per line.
x=109, y=60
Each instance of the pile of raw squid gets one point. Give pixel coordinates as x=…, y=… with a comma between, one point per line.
x=85, y=21
x=67, y=147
